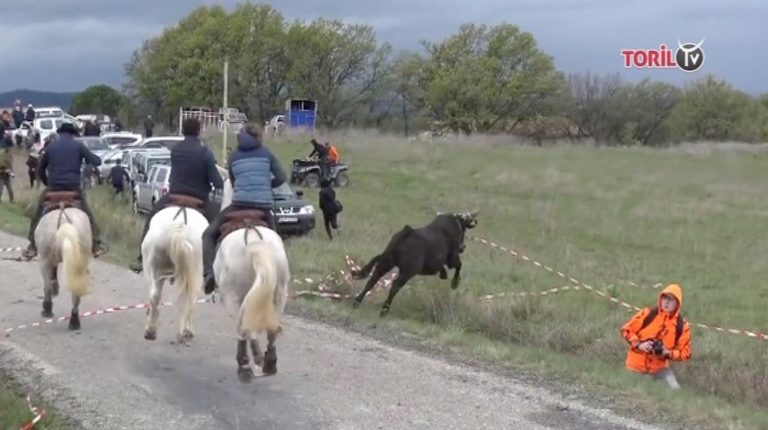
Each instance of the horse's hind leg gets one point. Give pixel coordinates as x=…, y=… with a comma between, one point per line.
x=270, y=356
x=258, y=356
x=156, y=292
x=50, y=289
x=244, y=370
x=74, y=318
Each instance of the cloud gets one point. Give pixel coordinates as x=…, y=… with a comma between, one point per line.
x=68, y=45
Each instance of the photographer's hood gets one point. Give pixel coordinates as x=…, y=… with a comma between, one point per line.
x=675, y=291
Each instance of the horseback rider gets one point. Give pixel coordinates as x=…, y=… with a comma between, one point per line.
x=251, y=168
x=193, y=170
x=59, y=170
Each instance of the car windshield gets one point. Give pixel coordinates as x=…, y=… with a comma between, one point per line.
x=284, y=192
x=95, y=144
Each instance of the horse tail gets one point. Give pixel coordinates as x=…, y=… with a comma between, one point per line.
x=74, y=263
x=181, y=254
x=258, y=313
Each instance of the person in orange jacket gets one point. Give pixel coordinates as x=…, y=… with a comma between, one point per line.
x=658, y=335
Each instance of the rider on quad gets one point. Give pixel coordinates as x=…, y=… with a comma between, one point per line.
x=59, y=169
x=193, y=170
x=322, y=154
x=250, y=167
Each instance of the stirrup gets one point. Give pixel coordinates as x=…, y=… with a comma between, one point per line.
x=100, y=250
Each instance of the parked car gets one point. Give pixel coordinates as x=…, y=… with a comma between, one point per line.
x=160, y=142
x=47, y=125
x=95, y=144
x=129, y=160
x=293, y=214
x=121, y=139
x=154, y=186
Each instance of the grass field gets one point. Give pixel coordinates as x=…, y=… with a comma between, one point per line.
x=693, y=215
x=15, y=413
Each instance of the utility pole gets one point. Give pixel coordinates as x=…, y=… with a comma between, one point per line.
x=225, y=128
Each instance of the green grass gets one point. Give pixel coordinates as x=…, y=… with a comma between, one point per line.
x=14, y=412
x=605, y=216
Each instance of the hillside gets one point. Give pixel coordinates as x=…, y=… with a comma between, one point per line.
x=37, y=98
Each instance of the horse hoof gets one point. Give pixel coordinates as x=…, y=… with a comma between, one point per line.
x=245, y=374
x=74, y=323
x=443, y=276
x=356, y=304
x=384, y=312
x=150, y=335
x=47, y=310
x=270, y=366
x=258, y=360
x=455, y=284
x=185, y=337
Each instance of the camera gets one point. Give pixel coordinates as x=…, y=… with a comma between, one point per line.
x=658, y=347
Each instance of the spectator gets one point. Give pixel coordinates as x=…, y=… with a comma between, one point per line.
x=32, y=162
x=149, y=125
x=18, y=116
x=30, y=114
x=118, y=177
x=657, y=335
x=6, y=172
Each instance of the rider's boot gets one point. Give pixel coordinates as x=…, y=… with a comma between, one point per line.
x=30, y=252
x=138, y=265
x=99, y=248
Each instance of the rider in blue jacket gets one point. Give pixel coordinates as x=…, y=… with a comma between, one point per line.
x=251, y=167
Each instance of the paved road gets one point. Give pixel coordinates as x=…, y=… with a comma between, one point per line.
x=109, y=377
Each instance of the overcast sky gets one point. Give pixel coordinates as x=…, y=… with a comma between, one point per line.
x=67, y=45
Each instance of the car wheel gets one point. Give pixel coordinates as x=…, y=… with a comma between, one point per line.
x=342, y=180
x=312, y=180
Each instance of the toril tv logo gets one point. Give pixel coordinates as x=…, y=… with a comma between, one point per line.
x=689, y=57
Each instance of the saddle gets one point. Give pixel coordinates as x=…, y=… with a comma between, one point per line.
x=242, y=218
x=185, y=201
x=54, y=198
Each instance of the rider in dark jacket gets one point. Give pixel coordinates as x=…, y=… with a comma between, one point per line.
x=251, y=168
x=193, y=170
x=59, y=170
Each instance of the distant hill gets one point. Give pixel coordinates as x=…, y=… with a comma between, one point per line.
x=37, y=98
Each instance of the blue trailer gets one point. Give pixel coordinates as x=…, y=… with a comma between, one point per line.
x=301, y=115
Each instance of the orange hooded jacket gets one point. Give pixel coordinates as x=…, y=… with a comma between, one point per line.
x=333, y=154
x=662, y=327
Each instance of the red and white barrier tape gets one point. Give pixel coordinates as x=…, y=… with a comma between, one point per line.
x=39, y=415
x=750, y=333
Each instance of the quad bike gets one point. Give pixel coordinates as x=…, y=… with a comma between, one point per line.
x=306, y=172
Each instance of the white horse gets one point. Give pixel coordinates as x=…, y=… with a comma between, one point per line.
x=252, y=272
x=63, y=238
x=173, y=251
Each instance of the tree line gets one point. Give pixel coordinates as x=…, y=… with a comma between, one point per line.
x=480, y=79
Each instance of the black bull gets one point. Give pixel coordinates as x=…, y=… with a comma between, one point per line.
x=419, y=251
